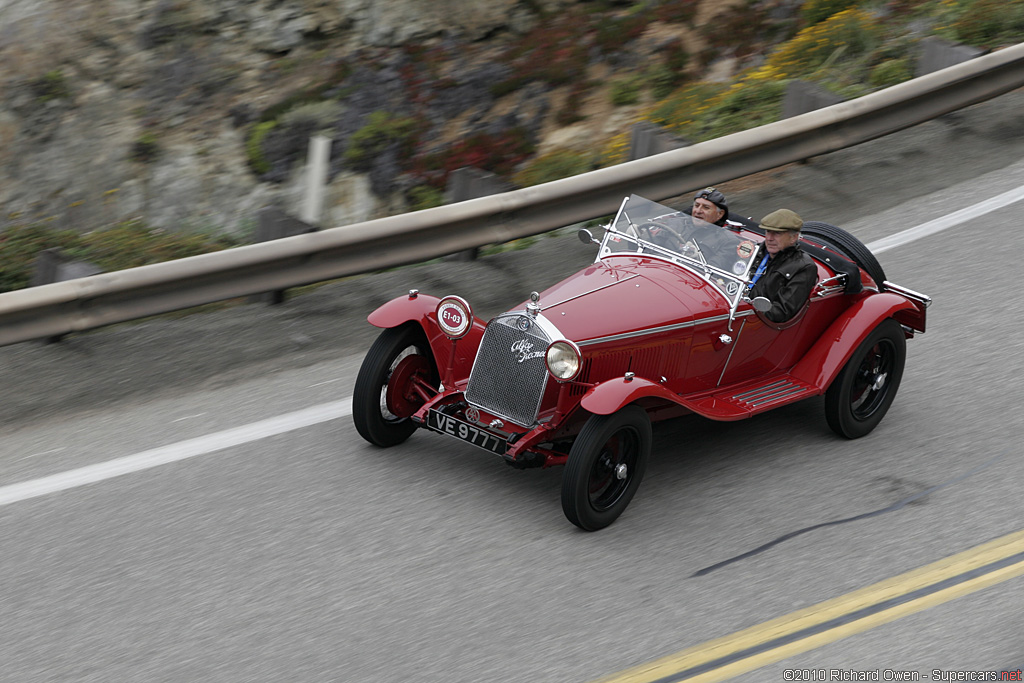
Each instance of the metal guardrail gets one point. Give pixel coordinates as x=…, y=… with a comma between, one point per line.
x=87, y=303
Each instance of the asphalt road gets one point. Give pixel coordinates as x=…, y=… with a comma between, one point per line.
x=307, y=555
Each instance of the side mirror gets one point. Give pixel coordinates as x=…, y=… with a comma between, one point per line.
x=761, y=304
x=586, y=236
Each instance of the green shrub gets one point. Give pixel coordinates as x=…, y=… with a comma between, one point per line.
x=425, y=197
x=612, y=33
x=145, y=148
x=849, y=34
x=132, y=243
x=19, y=246
x=254, y=146
x=814, y=11
x=891, y=72
x=683, y=112
x=124, y=245
x=381, y=130
x=987, y=23
x=661, y=81
x=52, y=86
x=555, y=165
x=623, y=91
x=670, y=72
x=747, y=104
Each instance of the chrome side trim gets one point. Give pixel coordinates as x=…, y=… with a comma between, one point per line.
x=735, y=342
x=659, y=330
x=823, y=292
x=769, y=393
x=909, y=293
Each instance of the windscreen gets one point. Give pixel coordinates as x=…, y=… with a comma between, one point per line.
x=647, y=228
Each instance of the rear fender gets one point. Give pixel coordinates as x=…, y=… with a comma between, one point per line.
x=421, y=309
x=829, y=354
x=608, y=397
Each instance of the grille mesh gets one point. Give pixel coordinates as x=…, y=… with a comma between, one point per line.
x=509, y=374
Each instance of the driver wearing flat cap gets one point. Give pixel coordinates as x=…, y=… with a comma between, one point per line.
x=785, y=274
x=710, y=206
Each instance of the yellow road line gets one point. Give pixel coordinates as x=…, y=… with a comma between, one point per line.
x=816, y=615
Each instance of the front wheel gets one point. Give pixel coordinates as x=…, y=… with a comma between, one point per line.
x=605, y=467
x=397, y=376
x=860, y=395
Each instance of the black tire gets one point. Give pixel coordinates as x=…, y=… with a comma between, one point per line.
x=380, y=409
x=862, y=392
x=605, y=467
x=846, y=244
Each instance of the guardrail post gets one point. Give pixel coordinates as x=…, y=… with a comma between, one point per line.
x=471, y=183
x=273, y=224
x=51, y=265
x=319, y=155
x=802, y=97
x=647, y=139
x=45, y=268
x=937, y=53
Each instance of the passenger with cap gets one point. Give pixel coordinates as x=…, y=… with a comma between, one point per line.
x=785, y=275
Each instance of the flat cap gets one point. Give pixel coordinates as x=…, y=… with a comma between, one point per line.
x=781, y=221
x=713, y=196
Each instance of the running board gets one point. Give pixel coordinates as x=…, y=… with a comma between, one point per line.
x=750, y=398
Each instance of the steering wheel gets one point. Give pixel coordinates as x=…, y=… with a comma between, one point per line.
x=660, y=234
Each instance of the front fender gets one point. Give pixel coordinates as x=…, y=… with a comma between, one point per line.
x=403, y=309
x=421, y=309
x=829, y=354
x=608, y=397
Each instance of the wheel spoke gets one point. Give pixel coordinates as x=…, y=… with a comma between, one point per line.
x=618, y=457
x=870, y=386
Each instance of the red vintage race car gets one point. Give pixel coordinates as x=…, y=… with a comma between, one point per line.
x=658, y=326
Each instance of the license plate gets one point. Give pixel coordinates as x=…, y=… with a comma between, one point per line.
x=453, y=426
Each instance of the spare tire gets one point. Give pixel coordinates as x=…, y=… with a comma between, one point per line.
x=847, y=245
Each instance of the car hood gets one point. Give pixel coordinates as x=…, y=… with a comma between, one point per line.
x=625, y=294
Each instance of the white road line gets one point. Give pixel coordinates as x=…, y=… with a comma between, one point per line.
x=329, y=381
x=39, y=455
x=947, y=221
x=188, y=417
x=183, y=450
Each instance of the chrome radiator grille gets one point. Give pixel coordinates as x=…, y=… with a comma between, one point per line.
x=509, y=374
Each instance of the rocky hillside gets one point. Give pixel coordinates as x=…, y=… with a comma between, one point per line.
x=195, y=113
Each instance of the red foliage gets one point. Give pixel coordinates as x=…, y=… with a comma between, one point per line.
x=499, y=154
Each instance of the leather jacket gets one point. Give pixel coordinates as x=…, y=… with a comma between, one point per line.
x=787, y=282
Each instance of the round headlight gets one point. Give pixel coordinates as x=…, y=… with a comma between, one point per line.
x=454, y=316
x=563, y=359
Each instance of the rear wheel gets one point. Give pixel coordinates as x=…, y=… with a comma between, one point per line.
x=397, y=376
x=861, y=394
x=846, y=244
x=605, y=467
